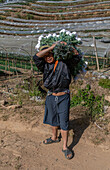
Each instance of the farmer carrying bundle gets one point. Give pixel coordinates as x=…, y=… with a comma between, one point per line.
x=57, y=59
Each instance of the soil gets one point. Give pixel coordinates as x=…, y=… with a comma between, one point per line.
x=22, y=132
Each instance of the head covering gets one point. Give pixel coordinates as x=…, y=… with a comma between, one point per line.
x=43, y=47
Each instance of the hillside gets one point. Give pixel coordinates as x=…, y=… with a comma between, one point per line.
x=31, y=18
x=22, y=94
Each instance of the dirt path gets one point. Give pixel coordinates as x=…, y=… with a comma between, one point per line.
x=21, y=147
x=22, y=133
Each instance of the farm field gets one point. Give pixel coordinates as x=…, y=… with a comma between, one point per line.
x=22, y=23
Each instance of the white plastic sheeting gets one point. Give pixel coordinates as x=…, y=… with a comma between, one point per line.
x=72, y=6
x=60, y=21
x=64, y=13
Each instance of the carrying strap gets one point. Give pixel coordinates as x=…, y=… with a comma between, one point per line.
x=56, y=63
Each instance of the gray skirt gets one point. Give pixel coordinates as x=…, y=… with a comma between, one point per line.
x=57, y=111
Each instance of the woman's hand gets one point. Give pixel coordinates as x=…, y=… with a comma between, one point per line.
x=75, y=51
x=63, y=42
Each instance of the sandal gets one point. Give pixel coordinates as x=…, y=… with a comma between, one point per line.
x=49, y=141
x=68, y=152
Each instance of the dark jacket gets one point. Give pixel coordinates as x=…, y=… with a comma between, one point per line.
x=57, y=81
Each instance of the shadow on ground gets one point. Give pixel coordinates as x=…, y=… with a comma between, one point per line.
x=78, y=127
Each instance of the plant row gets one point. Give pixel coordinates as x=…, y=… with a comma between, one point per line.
x=10, y=65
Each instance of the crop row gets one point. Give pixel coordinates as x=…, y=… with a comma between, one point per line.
x=58, y=28
x=71, y=6
x=103, y=62
x=17, y=57
x=14, y=64
x=21, y=13
x=65, y=3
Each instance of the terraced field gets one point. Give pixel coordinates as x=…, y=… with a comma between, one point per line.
x=22, y=23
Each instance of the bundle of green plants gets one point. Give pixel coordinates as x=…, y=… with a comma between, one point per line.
x=65, y=49
x=87, y=98
x=105, y=83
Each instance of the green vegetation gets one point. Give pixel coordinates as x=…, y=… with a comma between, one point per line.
x=1, y=1
x=12, y=62
x=87, y=98
x=103, y=62
x=105, y=83
x=32, y=87
x=30, y=16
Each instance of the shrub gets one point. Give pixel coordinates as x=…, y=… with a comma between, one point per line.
x=105, y=83
x=87, y=98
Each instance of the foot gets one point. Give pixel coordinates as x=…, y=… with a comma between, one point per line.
x=68, y=153
x=50, y=140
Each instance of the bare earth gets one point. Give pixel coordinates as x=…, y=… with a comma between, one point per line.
x=22, y=133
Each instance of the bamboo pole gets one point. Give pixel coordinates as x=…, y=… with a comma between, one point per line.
x=95, y=48
x=6, y=61
x=31, y=59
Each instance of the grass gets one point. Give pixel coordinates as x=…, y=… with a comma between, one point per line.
x=105, y=83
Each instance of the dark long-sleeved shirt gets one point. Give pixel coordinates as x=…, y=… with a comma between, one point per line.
x=57, y=81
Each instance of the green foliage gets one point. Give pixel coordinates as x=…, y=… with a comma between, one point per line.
x=18, y=15
x=71, y=39
x=25, y=86
x=105, y=83
x=87, y=98
x=30, y=16
x=18, y=61
x=35, y=92
x=20, y=101
x=32, y=88
x=1, y=1
x=65, y=49
x=63, y=52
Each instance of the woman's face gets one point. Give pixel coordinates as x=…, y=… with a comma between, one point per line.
x=49, y=58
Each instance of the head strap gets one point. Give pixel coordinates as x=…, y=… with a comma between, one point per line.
x=56, y=63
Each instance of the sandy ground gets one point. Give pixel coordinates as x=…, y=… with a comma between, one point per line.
x=21, y=147
x=22, y=133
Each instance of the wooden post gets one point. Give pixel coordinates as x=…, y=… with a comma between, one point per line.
x=95, y=48
x=6, y=61
x=31, y=59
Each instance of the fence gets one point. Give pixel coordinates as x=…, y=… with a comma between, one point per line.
x=18, y=60
x=15, y=60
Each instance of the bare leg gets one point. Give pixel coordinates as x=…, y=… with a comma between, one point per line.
x=64, y=134
x=54, y=133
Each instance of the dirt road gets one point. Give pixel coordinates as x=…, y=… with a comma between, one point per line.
x=21, y=147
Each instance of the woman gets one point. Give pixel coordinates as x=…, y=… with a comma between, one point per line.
x=56, y=78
